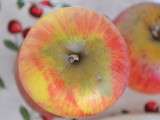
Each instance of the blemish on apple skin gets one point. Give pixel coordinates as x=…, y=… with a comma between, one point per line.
x=144, y=56
x=98, y=78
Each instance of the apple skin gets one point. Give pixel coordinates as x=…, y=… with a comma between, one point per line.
x=28, y=99
x=54, y=86
x=135, y=25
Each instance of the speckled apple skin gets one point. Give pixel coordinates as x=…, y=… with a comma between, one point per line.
x=73, y=90
x=134, y=25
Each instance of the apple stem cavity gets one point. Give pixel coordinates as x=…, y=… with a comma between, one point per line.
x=74, y=58
x=155, y=30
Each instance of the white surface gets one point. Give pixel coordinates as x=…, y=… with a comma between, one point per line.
x=135, y=117
x=10, y=100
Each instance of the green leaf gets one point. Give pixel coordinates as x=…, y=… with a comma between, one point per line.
x=65, y=5
x=2, y=85
x=9, y=44
x=20, y=3
x=25, y=114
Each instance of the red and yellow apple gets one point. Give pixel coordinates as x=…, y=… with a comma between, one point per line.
x=73, y=63
x=140, y=27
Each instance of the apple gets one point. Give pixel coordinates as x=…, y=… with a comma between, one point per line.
x=73, y=63
x=140, y=27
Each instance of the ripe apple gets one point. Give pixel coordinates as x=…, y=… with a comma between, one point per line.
x=140, y=26
x=73, y=63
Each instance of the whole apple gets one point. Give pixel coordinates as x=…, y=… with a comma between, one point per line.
x=73, y=63
x=140, y=26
